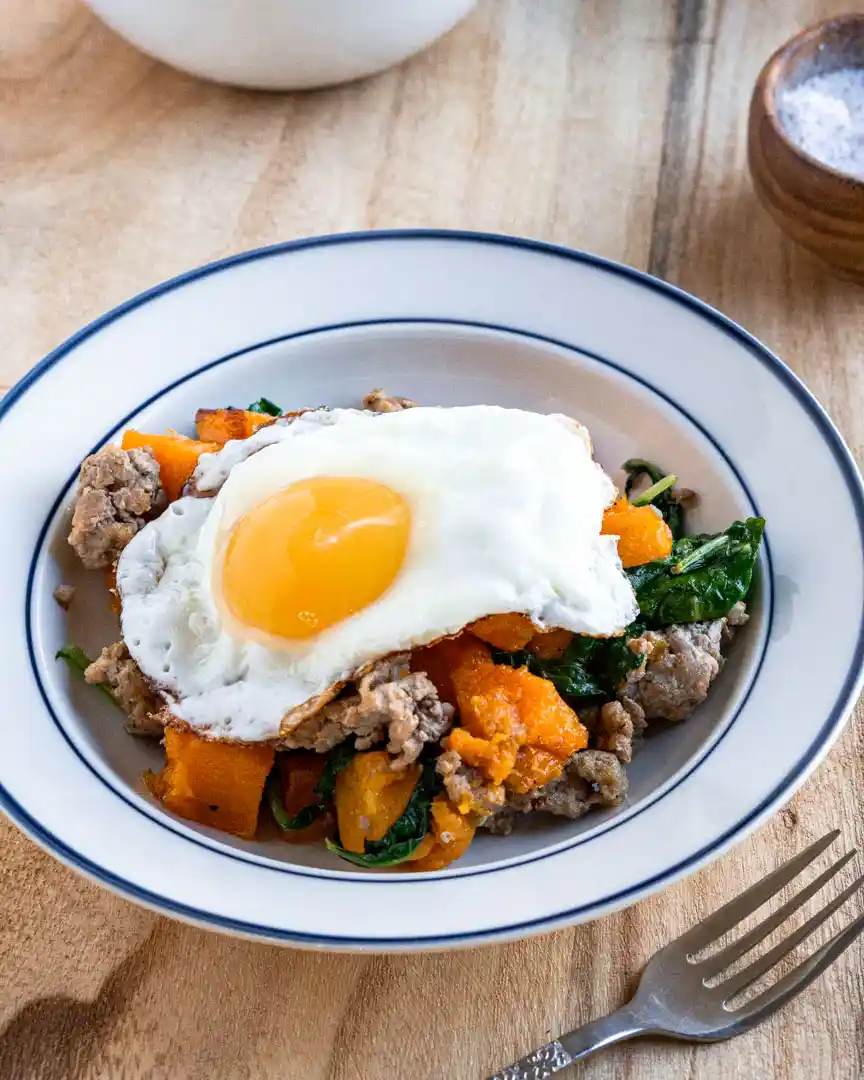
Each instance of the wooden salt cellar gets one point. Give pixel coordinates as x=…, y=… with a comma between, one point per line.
x=817, y=206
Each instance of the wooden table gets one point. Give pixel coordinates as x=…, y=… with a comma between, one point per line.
x=612, y=125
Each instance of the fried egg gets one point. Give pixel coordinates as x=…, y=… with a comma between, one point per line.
x=346, y=536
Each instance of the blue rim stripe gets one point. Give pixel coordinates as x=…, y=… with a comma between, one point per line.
x=830, y=435
x=613, y=823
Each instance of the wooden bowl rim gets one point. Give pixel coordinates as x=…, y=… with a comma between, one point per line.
x=764, y=93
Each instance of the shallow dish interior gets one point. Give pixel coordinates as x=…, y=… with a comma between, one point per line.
x=434, y=363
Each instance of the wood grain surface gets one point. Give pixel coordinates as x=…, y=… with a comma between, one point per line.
x=605, y=124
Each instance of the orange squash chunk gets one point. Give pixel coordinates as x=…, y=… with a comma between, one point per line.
x=214, y=783
x=453, y=834
x=177, y=456
x=370, y=797
x=500, y=709
x=424, y=848
x=514, y=632
x=533, y=769
x=442, y=659
x=496, y=701
x=511, y=632
x=549, y=721
x=299, y=772
x=222, y=425
x=642, y=533
x=488, y=700
x=494, y=757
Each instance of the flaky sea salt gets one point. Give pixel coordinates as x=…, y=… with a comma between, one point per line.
x=824, y=115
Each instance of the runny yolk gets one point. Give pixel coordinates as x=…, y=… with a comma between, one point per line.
x=311, y=555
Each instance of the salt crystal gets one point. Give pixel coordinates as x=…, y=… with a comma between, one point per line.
x=824, y=116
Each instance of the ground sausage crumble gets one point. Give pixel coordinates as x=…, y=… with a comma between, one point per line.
x=380, y=401
x=389, y=703
x=116, y=669
x=118, y=491
x=679, y=665
x=591, y=778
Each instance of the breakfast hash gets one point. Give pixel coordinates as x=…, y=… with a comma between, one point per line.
x=385, y=628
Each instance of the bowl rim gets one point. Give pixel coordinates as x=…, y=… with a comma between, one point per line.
x=827, y=734
x=768, y=81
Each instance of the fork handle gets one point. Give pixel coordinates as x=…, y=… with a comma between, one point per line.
x=578, y=1044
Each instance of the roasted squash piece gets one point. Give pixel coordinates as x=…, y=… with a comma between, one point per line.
x=299, y=772
x=514, y=632
x=453, y=833
x=550, y=723
x=177, y=456
x=442, y=659
x=511, y=632
x=533, y=769
x=214, y=783
x=494, y=757
x=222, y=425
x=642, y=533
x=427, y=844
x=370, y=797
x=487, y=697
x=502, y=709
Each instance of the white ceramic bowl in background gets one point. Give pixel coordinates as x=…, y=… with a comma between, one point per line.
x=447, y=318
x=281, y=44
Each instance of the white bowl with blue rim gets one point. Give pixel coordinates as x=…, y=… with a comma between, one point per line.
x=444, y=318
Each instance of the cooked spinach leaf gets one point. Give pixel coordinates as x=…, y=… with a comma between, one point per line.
x=337, y=759
x=264, y=405
x=79, y=661
x=569, y=673
x=405, y=835
x=325, y=788
x=614, y=660
x=302, y=819
x=397, y=853
x=703, y=578
x=660, y=494
x=589, y=668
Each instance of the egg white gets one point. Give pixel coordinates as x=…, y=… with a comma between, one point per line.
x=506, y=511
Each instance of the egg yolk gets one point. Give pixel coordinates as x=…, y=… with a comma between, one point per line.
x=311, y=555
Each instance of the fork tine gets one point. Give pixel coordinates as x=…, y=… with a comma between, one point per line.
x=764, y=963
x=798, y=978
x=732, y=913
x=713, y=965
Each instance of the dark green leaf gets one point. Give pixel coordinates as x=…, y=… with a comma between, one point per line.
x=636, y=468
x=589, y=668
x=265, y=405
x=569, y=673
x=337, y=759
x=305, y=817
x=405, y=835
x=79, y=661
x=665, y=499
x=397, y=853
x=703, y=578
x=301, y=820
x=325, y=788
x=614, y=660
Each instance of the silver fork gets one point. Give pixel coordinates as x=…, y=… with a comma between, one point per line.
x=673, y=999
